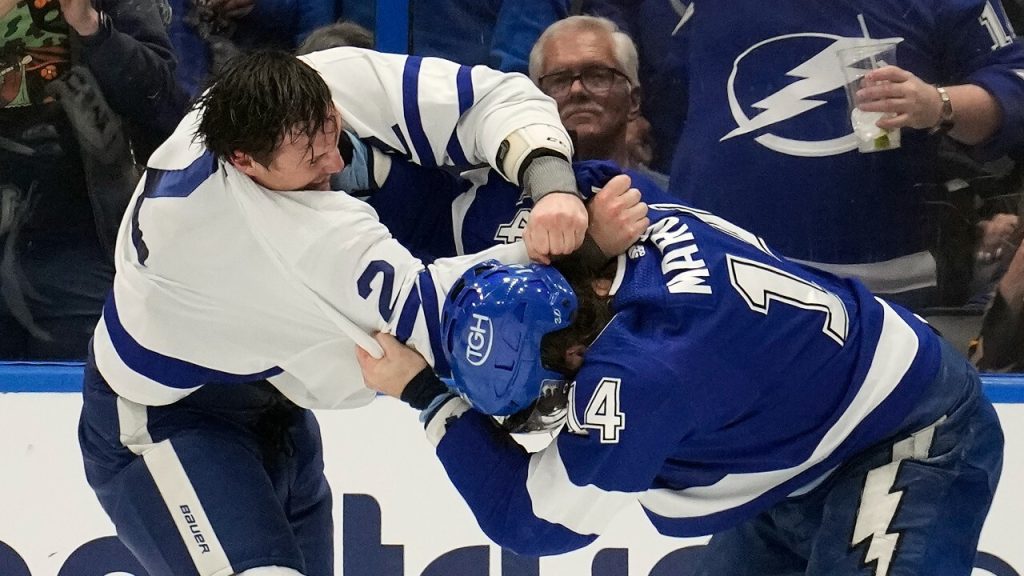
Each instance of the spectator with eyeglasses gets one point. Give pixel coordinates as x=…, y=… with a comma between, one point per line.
x=589, y=67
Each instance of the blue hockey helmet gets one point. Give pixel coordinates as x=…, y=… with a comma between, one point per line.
x=492, y=324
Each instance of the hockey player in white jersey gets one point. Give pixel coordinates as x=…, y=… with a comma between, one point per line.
x=243, y=286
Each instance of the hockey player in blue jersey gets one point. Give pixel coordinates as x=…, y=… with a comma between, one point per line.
x=810, y=426
x=243, y=284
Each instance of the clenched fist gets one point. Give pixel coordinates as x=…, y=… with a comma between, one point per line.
x=557, y=226
x=617, y=216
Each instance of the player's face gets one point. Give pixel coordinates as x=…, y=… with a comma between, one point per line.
x=303, y=163
x=595, y=99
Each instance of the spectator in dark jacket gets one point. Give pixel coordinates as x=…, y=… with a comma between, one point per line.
x=76, y=81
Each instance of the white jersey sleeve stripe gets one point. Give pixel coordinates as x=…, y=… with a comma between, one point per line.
x=894, y=354
x=413, y=105
x=582, y=509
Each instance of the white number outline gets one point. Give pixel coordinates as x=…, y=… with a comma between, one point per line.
x=603, y=411
x=837, y=319
x=758, y=284
x=513, y=231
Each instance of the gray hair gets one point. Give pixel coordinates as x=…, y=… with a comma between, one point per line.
x=624, y=48
x=341, y=33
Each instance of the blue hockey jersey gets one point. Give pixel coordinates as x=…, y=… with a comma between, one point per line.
x=768, y=142
x=728, y=379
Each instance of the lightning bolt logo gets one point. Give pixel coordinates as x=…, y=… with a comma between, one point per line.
x=819, y=74
x=684, y=11
x=879, y=502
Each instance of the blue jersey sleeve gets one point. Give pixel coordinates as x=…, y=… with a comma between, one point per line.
x=562, y=497
x=592, y=175
x=415, y=203
x=983, y=50
x=491, y=471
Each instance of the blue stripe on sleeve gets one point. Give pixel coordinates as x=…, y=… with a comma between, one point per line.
x=169, y=184
x=167, y=370
x=179, y=183
x=407, y=320
x=428, y=294
x=464, y=86
x=411, y=105
x=455, y=152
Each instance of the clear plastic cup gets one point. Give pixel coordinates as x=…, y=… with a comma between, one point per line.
x=856, y=62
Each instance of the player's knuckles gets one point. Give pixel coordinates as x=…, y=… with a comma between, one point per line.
x=632, y=196
x=639, y=209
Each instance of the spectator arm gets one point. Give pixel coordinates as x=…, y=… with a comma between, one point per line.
x=133, y=62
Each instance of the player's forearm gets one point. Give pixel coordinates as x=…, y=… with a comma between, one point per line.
x=977, y=115
x=548, y=174
x=490, y=471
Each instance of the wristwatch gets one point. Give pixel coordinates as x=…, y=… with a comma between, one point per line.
x=946, y=116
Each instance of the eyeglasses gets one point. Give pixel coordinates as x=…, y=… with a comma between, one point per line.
x=595, y=79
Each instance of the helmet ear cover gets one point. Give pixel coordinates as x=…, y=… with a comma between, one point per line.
x=492, y=325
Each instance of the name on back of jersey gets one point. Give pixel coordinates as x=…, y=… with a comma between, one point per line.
x=683, y=268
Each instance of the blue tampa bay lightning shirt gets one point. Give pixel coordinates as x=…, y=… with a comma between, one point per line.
x=768, y=142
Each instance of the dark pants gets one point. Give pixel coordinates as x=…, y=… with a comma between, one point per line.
x=227, y=479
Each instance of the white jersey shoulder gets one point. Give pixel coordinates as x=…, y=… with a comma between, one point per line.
x=221, y=280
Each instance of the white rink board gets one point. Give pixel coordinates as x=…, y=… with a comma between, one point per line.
x=379, y=451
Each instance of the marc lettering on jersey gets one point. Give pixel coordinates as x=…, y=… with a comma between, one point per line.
x=681, y=264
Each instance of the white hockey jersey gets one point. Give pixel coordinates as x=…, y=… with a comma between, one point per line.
x=221, y=280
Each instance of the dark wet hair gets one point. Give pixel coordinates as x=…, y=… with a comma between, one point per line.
x=592, y=315
x=257, y=100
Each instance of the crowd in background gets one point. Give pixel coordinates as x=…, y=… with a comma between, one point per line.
x=89, y=89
